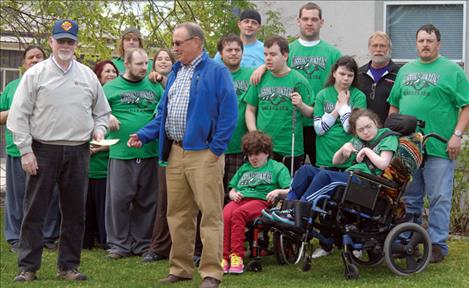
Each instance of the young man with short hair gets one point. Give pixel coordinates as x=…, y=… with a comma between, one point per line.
x=231, y=49
x=279, y=102
x=249, y=25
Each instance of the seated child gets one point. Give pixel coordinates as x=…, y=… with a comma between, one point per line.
x=311, y=182
x=254, y=186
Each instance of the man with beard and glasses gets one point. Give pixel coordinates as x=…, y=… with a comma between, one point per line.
x=132, y=177
x=436, y=90
x=376, y=78
x=58, y=107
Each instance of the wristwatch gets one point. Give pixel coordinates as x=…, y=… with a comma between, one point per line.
x=458, y=133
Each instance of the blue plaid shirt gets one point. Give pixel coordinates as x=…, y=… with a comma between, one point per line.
x=178, y=101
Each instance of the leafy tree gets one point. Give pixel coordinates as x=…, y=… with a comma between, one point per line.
x=101, y=22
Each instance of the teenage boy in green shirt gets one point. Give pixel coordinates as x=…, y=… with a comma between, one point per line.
x=278, y=104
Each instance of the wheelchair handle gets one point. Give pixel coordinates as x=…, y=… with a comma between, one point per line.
x=436, y=136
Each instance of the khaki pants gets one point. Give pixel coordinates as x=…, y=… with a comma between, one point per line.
x=195, y=182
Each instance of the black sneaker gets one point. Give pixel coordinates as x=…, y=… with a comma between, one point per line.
x=25, y=276
x=152, y=257
x=71, y=275
x=51, y=245
x=437, y=254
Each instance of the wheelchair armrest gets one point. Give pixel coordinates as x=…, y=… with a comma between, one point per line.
x=376, y=179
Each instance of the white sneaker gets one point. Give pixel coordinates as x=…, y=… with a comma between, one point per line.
x=357, y=253
x=319, y=252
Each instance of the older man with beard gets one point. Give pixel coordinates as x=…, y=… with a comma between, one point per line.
x=58, y=106
x=376, y=78
x=132, y=180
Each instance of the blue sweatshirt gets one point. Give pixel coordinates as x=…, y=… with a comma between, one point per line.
x=211, y=115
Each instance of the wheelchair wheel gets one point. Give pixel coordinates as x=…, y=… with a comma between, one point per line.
x=288, y=249
x=407, y=249
x=367, y=257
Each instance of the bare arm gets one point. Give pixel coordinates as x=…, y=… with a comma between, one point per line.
x=3, y=117
x=380, y=161
x=250, y=117
x=393, y=109
x=343, y=153
x=272, y=195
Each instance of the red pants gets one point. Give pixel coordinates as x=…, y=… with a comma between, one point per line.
x=235, y=217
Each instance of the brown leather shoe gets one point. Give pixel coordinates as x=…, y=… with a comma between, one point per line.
x=210, y=282
x=437, y=254
x=173, y=279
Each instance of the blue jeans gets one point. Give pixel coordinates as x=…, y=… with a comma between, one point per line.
x=435, y=180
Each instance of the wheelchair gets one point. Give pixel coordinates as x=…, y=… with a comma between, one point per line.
x=365, y=218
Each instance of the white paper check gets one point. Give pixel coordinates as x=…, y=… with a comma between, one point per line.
x=105, y=142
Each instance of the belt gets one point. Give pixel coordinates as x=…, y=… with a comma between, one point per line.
x=178, y=143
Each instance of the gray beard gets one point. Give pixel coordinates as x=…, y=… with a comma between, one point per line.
x=380, y=60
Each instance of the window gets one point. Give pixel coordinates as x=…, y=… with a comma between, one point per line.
x=403, y=18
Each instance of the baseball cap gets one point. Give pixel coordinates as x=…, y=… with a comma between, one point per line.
x=131, y=30
x=65, y=29
x=250, y=14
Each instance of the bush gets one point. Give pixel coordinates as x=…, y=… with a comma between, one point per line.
x=460, y=208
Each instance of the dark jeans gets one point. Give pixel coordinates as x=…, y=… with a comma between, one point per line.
x=66, y=166
x=95, y=229
x=309, y=143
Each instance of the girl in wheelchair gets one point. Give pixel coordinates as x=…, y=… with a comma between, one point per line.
x=371, y=149
x=254, y=186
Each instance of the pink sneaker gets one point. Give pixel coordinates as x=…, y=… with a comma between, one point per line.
x=236, y=266
x=225, y=265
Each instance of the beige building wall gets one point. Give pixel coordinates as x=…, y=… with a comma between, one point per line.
x=348, y=24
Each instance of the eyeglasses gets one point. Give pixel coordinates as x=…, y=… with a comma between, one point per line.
x=179, y=43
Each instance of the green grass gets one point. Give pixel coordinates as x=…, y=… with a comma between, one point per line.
x=325, y=272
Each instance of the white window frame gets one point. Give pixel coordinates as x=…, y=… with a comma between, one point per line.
x=428, y=3
x=4, y=75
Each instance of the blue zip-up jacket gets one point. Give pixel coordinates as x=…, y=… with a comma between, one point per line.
x=211, y=115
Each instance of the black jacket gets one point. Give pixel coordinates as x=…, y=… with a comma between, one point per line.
x=377, y=94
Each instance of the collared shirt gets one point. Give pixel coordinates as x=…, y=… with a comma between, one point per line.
x=60, y=67
x=178, y=101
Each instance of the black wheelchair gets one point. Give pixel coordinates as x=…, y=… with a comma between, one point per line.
x=365, y=218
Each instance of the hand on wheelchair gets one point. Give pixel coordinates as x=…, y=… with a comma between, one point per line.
x=235, y=195
x=273, y=195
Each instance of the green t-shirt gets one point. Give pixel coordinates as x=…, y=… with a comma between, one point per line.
x=388, y=143
x=433, y=92
x=314, y=63
x=274, y=109
x=335, y=137
x=241, y=84
x=133, y=104
x=5, y=103
x=98, y=165
x=258, y=182
x=119, y=62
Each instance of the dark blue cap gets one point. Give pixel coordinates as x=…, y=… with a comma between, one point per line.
x=65, y=29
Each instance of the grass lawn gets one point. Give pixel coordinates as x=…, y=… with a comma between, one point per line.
x=325, y=272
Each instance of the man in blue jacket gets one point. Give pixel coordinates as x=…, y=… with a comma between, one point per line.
x=196, y=118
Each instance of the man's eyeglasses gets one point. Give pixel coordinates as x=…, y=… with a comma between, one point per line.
x=179, y=43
